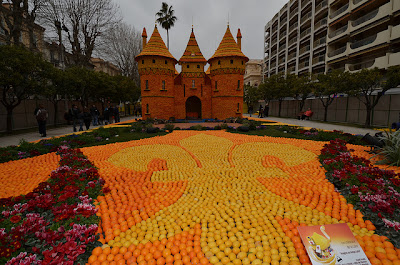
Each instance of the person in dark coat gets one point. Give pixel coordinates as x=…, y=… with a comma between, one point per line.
x=95, y=115
x=106, y=115
x=74, y=113
x=260, y=111
x=41, y=117
x=266, y=110
x=250, y=110
x=87, y=118
x=116, y=114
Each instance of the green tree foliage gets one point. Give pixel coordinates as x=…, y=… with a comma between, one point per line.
x=22, y=74
x=303, y=89
x=328, y=86
x=364, y=83
x=166, y=18
x=251, y=95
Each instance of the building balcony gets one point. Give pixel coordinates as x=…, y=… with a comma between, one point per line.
x=291, y=56
x=330, y=2
x=338, y=33
x=338, y=53
x=274, y=41
x=371, y=17
x=282, y=48
x=291, y=69
x=304, y=65
x=339, y=12
x=370, y=41
x=305, y=3
x=305, y=18
x=394, y=59
x=304, y=50
x=293, y=27
x=380, y=62
x=318, y=60
x=282, y=35
x=319, y=43
x=281, y=61
x=357, y=3
x=321, y=6
x=283, y=24
x=395, y=33
x=320, y=24
x=305, y=33
x=273, y=54
x=396, y=7
x=292, y=41
x=293, y=12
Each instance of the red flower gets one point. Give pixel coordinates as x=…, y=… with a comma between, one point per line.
x=15, y=219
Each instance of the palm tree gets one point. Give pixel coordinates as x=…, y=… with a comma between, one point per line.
x=166, y=18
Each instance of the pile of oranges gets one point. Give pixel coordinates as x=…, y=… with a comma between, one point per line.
x=212, y=197
x=218, y=198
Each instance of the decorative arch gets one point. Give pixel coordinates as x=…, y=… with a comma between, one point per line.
x=193, y=108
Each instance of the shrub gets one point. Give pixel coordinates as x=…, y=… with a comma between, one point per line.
x=197, y=127
x=169, y=127
x=137, y=127
x=391, y=150
x=224, y=126
x=217, y=127
x=243, y=128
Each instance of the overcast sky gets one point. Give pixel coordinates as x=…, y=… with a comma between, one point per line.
x=210, y=19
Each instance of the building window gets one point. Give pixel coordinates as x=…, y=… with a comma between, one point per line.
x=142, y=61
x=238, y=87
x=238, y=107
x=193, y=84
x=163, y=85
x=242, y=62
x=198, y=66
x=166, y=62
x=154, y=61
x=216, y=85
x=219, y=62
x=147, y=84
x=184, y=90
x=147, y=109
x=231, y=61
x=187, y=66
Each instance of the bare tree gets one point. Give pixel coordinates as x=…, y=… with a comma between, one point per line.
x=84, y=22
x=19, y=15
x=120, y=46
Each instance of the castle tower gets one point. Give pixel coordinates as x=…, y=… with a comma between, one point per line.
x=157, y=71
x=192, y=97
x=227, y=68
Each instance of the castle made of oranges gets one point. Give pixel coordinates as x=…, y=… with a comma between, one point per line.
x=193, y=93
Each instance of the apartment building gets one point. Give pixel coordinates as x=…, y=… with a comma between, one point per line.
x=253, y=72
x=314, y=36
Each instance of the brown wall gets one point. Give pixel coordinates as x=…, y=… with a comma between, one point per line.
x=343, y=109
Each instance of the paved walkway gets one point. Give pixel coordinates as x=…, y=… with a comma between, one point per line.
x=34, y=136
x=321, y=125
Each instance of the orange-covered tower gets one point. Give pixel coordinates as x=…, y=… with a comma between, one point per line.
x=157, y=72
x=227, y=68
x=192, y=96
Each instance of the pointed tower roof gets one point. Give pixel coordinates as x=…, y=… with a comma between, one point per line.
x=144, y=33
x=228, y=47
x=192, y=52
x=155, y=47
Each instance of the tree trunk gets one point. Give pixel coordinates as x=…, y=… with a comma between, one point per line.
x=280, y=107
x=9, y=119
x=55, y=112
x=326, y=113
x=368, y=117
x=302, y=102
x=167, y=39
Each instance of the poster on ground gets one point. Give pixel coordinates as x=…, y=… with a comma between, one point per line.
x=332, y=244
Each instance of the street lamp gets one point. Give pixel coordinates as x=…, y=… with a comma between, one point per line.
x=60, y=27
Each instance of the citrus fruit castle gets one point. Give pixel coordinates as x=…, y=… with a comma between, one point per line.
x=193, y=93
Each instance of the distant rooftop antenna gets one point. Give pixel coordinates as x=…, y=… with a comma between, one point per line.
x=228, y=19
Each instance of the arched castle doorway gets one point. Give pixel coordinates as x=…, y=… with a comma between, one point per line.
x=193, y=108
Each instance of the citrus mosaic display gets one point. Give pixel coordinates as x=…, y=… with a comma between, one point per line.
x=219, y=198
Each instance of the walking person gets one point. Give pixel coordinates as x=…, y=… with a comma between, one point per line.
x=116, y=114
x=94, y=112
x=87, y=117
x=74, y=114
x=41, y=117
x=250, y=110
x=260, y=111
x=106, y=116
x=266, y=110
